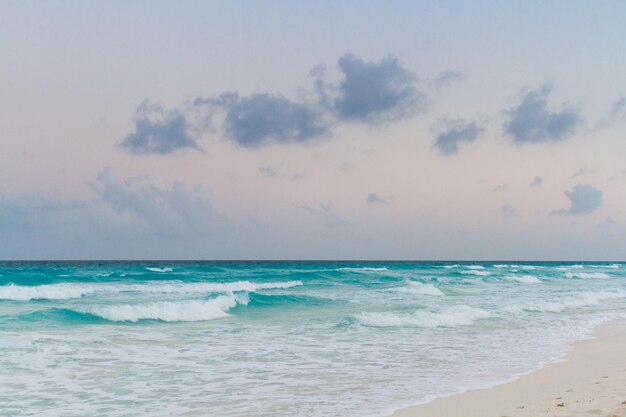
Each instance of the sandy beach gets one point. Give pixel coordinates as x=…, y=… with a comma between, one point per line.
x=591, y=381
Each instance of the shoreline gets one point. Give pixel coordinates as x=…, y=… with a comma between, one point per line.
x=589, y=381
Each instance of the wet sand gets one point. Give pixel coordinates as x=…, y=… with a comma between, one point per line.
x=590, y=382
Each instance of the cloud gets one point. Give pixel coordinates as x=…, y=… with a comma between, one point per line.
x=271, y=172
x=582, y=171
x=326, y=215
x=158, y=131
x=453, y=132
x=162, y=210
x=447, y=77
x=584, y=199
x=261, y=119
x=508, y=210
x=377, y=92
x=500, y=188
x=373, y=198
x=618, y=110
x=536, y=182
x=532, y=122
x=373, y=93
x=135, y=209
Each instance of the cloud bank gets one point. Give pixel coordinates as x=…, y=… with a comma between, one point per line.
x=368, y=92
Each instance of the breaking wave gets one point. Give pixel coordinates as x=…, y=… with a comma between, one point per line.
x=67, y=291
x=170, y=311
x=415, y=287
x=587, y=275
x=154, y=269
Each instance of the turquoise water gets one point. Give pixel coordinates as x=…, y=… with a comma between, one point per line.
x=281, y=338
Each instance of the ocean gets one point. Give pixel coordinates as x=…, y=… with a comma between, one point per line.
x=283, y=338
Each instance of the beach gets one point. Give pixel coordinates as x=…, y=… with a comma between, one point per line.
x=311, y=339
x=591, y=381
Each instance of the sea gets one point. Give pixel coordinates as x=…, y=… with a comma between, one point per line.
x=238, y=339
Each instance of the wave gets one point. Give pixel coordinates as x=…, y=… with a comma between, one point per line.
x=451, y=266
x=415, y=287
x=474, y=266
x=606, y=266
x=364, y=269
x=586, y=299
x=452, y=317
x=587, y=275
x=475, y=272
x=568, y=267
x=170, y=311
x=45, y=292
x=66, y=291
x=526, y=267
x=154, y=269
x=524, y=279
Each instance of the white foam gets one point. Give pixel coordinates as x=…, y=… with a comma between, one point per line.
x=452, y=317
x=415, y=287
x=474, y=267
x=524, y=279
x=364, y=269
x=193, y=310
x=66, y=291
x=476, y=272
x=44, y=292
x=587, y=275
x=586, y=299
x=154, y=269
x=451, y=266
x=567, y=267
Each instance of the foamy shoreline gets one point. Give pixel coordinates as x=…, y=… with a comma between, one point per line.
x=591, y=381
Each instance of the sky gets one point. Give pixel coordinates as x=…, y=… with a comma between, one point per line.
x=406, y=130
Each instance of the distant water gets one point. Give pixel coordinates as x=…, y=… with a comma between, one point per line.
x=283, y=339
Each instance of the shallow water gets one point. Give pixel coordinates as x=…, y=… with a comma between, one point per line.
x=283, y=338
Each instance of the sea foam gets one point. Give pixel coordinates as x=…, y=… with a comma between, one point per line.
x=452, y=317
x=67, y=291
x=587, y=275
x=415, y=287
x=45, y=292
x=586, y=299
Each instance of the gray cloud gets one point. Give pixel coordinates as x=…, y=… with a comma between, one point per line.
x=377, y=92
x=532, y=122
x=172, y=211
x=326, y=215
x=452, y=132
x=584, y=199
x=618, y=110
x=373, y=198
x=271, y=172
x=508, y=210
x=500, y=188
x=536, y=182
x=158, y=132
x=582, y=171
x=264, y=118
x=447, y=77
x=369, y=92
x=134, y=217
